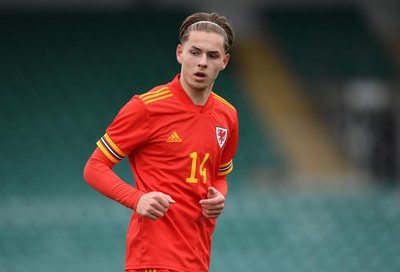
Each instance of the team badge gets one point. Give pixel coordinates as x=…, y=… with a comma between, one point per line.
x=222, y=134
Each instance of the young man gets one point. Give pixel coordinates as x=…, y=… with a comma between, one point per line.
x=180, y=139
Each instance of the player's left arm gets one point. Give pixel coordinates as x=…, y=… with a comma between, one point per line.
x=215, y=202
x=216, y=197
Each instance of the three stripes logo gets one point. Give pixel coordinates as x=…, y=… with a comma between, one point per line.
x=156, y=95
x=174, y=138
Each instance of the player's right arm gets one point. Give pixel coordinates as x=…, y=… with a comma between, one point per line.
x=98, y=173
x=154, y=205
x=128, y=130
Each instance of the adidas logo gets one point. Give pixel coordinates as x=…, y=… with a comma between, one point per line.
x=174, y=138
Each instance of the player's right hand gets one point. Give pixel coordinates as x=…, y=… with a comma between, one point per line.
x=154, y=205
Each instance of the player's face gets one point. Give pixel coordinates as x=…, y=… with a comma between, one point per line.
x=202, y=57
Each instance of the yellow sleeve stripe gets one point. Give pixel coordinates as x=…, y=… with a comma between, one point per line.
x=224, y=173
x=114, y=146
x=225, y=164
x=110, y=149
x=219, y=98
x=153, y=92
x=157, y=95
x=225, y=168
x=105, y=152
x=157, y=99
x=149, y=96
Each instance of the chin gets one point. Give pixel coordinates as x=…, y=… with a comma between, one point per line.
x=201, y=86
x=198, y=85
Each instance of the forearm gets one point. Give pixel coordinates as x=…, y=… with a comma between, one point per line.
x=98, y=173
x=221, y=185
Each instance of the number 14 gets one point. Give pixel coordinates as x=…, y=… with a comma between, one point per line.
x=202, y=170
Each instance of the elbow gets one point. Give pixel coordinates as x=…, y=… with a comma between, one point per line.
x=86, y=171
x=89, y=172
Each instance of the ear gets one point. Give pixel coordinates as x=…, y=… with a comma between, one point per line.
x=179, y=51
x=225, y=62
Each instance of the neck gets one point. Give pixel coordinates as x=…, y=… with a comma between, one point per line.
x=198, y=96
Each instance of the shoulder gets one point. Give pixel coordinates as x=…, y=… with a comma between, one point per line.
x=223, y=104
x=143, y=103
x=157, y=94
x=225, y=111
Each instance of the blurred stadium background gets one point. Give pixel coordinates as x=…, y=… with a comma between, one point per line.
x=316, y=85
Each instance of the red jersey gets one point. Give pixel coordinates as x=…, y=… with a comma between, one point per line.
x=179, y=149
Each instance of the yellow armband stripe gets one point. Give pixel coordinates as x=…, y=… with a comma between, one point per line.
x=226, y=168
x=110, y=149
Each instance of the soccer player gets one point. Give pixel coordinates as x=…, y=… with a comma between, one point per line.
x=180, y=139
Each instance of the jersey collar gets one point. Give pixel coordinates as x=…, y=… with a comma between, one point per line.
x=180, y=93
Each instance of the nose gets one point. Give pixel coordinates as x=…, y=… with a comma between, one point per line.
x=203, y=61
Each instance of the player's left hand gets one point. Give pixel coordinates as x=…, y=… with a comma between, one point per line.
x=213, y=204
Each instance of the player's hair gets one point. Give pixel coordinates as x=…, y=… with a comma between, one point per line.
x=209, y=22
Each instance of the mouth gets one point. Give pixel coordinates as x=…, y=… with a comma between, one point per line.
x=200, y=75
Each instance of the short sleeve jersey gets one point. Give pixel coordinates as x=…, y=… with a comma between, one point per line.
x=180, y=149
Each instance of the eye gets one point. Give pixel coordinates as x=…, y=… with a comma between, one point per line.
x=194, y=53
x=213, y=56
